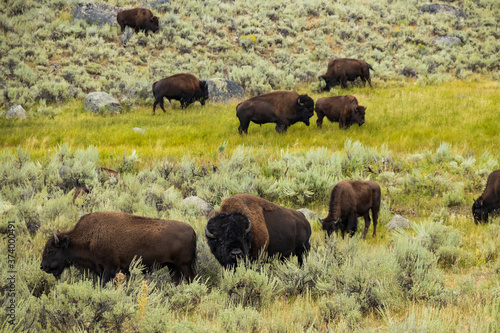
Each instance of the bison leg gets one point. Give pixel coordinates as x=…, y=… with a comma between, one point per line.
x=107, y=275
x=244, y=123
x=281, y=128
x=375, y=220
x=367, y=223
x=319, y=121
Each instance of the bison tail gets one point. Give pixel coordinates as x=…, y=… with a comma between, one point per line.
x=370, y=67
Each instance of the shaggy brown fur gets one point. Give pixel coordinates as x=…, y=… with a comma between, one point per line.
x=183, y=87
x=272, y=225
x=342, y=109
x=138, y=19
x=489, y=201
x=350, y=199
x=284, y=108
x=341, y=70
x=107, y=242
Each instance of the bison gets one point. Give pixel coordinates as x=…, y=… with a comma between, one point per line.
x=246, y=224
x=138, y=19
x=106, y=242
x=489, y=201
x=342, y=109
x=183, y=87
x=284, y=108
x=341, y=70
x=350, y=199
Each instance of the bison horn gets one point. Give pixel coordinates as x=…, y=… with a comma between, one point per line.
x=56, y=239
x=249, y=227
x=208, y=233
x=336, y=221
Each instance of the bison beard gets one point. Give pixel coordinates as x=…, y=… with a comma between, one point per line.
x=105, y=243
x=350, y=199
x=489, y=201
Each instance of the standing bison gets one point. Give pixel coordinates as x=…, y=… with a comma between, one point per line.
x=106, y=242
x=489, y=201
x=183, y=87
x=341, y=70
x=284, y=108
x=342, y=109
x=138, y=19
x=245, y=225
x=349, y=200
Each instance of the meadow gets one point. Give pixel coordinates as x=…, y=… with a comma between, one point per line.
x=429, y=141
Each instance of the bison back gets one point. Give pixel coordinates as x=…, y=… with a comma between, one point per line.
x=176, y=86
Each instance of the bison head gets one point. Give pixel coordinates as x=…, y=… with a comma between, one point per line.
x=358, y=115
x=229, y=237
x=152, y=24
x=304, y=109
x=202, y=94
x=330, y=225
x=479, y=212
x=54, y=258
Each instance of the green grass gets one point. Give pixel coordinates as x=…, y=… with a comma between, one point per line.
x=407, y=120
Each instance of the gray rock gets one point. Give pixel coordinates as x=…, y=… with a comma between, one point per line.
x=96, y=13
x=16, y=112
x=205, y=207
x=156, y=5
x=449, y=41
x=224, y=91
x=435, y=8
x=100, y=100
x=398, y=222
x=309, y=214
x=138, y=130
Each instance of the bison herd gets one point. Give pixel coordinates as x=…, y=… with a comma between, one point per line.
x=244, y=227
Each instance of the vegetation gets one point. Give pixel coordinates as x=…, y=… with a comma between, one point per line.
x=430, y=143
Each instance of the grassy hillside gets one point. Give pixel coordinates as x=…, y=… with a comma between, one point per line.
x=262, y=45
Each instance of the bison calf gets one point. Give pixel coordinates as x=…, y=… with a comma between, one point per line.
x=341, y=70
x=138, y=19
x=246, y=224
x=106, y=242
x=284, y=108
x=183, y=87
x=350, y=199
x=489, y=201
x=342, y=109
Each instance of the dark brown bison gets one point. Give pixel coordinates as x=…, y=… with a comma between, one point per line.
x=138, y=19
x=342, y=109
x=106, y=242
x=183, y=87
x=245, y=225
x=489, y=201
x=284, y=108
x=341, y=70
x=349, y=200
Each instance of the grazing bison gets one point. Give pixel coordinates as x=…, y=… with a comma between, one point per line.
x=138, y=19
x=342, y=109
x=106, y=242
x=247, y=224
x=182, y=87
x=350, y=199
x=489, y=201
x=284, y=108
x=341, y=70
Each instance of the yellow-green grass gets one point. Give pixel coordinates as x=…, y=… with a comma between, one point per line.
x=406, y=120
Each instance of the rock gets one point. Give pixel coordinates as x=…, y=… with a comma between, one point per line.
x=435, y=8
x=309, y=214
x=16, y=112
x=138, y=130
x=449, y=41
x=398, y=222
x=156, y=5
x=100, y=100
x=204, y=206
x=224, y=91
x=96, y=13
